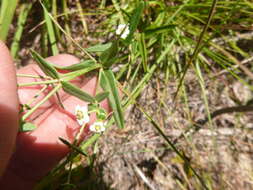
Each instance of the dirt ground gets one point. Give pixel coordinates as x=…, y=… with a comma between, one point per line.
x=221, y=151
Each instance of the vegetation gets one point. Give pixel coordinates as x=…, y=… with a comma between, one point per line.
x=191, y=52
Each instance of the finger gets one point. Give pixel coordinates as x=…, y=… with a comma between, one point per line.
x=8, y=106
x=26, y=94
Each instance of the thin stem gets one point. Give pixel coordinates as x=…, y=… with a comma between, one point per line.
x=77, y=138
x=32, y=76
x=38, y=83
x=74, y=41
x=36, y=95
x=197, y=48
x=27, y=114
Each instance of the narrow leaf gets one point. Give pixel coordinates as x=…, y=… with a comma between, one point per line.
x=134, y=21
x=108, y=57
x=77, y=149
x=158, y=30
x=45, y=66
x=98, y=48
x=26, y=126
x=6, y=15
x=108, y=82
x=101, y=96
x=75, y=67
x=50, y=30
x=24, y=10
x=74, y=74
x=77, y=92
x=143, y=50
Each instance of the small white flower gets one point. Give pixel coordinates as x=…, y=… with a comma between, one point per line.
x=82, y=115
x=97, y=127
x=123, y=30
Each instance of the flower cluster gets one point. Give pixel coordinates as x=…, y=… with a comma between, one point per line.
x=82, y=117
x=123, y=30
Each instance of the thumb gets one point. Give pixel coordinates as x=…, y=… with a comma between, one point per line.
x=8, y=106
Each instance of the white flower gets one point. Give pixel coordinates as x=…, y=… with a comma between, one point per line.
x=82, y=115
x=123, y=30
x=97, y=127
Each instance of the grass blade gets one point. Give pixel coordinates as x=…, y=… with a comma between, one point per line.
x=50, y=30
x=6, y=14
x=134, y=21
x=173, y=147
x=108, y=57
x=143, y=51
x=108, y=82
x=101, y=96
x=24, y=10
x=72, y=146
x=197, y=48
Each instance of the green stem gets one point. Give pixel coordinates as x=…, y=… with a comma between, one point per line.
x=32, y=76
x=36, y=95
x=38, y=83
x=27, y=114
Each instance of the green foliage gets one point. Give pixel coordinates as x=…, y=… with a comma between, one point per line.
x=101, y=96
x=26, y=126
x=166, y=38
x=108, y=82
x=75, y=148
x=99, y=47
x=108, y=57
x=135, y=20
x=77, y=92
x=24, y=11
x=76, y=67
x=7, y=11
x=45, y=66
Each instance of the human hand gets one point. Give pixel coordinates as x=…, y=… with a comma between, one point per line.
x=38, y=151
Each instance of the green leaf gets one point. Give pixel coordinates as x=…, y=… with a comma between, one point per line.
x=99, y=47
x=143, y=50
x=82, y=65
x=134, y=21
x=26, y=126
x=71, y=75
x=101, y=96
x=108, y=57
x=101, y=114
x=92, y=107
x=45, y=66
x=158, y=30
x=6, y=15
x=50, y=31
x=74, y=74
x=21, y=23
x=108, y=82
x=77, y=149
x=77, y=92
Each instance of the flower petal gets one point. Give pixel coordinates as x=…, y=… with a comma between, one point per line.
x=97, y=127
x=82, y=115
